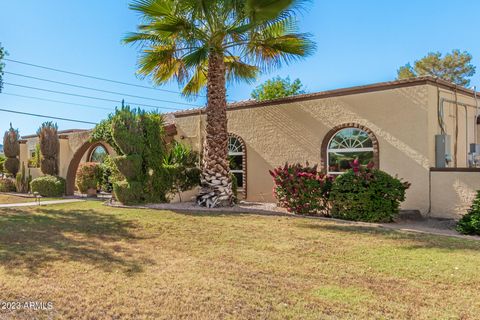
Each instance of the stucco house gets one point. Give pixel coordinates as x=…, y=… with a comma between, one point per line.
x=422, y=130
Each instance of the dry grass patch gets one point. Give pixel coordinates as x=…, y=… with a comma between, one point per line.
x=96, y=262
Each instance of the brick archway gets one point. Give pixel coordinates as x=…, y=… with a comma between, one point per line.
x=334, y=130
x=86, y=148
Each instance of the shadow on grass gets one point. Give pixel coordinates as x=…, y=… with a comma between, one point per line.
x=417, y=240
x=32, y=239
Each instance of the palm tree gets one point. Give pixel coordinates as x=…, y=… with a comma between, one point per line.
x=205, y=43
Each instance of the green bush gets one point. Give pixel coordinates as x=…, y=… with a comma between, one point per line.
x=128, y=193
x=182, y=165
x=366, y=194
x=110, y=174
x=88, y=176
x=130, y=166
x=7, y=185
x=470, y=222
x=48, y=186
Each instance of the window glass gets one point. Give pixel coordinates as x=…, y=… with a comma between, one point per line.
x=347, y=145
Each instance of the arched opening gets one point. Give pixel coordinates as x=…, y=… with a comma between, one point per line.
x=237, y=155
x=344, y=144
x=88, y=148
x=97, y=154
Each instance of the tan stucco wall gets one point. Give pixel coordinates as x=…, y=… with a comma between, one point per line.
x=294, y=132
x=453, y=193
x=68, y=147
x=404, y=120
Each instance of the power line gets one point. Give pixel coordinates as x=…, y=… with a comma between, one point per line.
x=58, y=101
x=89, y=97
x=93, y=77
x=100, y=90
x=45, y=116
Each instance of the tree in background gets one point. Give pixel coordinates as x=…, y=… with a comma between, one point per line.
x=204, y=44
x=3, y=53
x=49, y=147
x=11, y=149
x=455, y=67
x=277, y=88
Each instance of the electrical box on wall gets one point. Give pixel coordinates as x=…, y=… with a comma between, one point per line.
x=443, y=154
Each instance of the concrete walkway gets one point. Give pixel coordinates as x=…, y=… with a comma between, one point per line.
x=42, y=203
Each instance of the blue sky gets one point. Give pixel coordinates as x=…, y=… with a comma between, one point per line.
x=359, y=42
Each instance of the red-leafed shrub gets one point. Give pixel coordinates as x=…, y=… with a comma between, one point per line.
x=302, y=189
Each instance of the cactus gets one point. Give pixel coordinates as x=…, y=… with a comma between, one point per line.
x=23, y=180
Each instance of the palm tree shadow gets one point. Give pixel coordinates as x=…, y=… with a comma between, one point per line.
x=31, y=240
x=416, y=240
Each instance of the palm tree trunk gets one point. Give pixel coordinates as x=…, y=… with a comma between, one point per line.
x=216, y=182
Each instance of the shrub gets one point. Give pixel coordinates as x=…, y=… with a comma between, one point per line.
x=48, y=186
x=130, y=166
x=366, y=194
x=110, y=174
x=7, y=185
x=128, y=193
x=470, y=222
x=12, y=165
x=49, y=147
x=23, y=180
x=11, y=149
x=139, y=139
x=301, y=189
x=182, y=164
x=88, y=176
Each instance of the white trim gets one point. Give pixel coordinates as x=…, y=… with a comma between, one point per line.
x=346, y=150
x=351, y=150
x=231, y=153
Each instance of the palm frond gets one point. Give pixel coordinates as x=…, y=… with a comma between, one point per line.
x=197, y=82
x=238, y=70
x=153, y=9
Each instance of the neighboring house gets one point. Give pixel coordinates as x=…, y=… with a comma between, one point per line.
x=394, y=124
x=397, y=125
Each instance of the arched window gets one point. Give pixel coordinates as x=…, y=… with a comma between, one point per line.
x=98, y=154
x=346, y=145
x=236, y=156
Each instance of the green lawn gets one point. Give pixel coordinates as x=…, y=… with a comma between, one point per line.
x=96, y=262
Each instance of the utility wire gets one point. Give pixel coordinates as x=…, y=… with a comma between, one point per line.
x=100, y=90
x=45, y=116
x=58, y=101
x=93, y=77
x=89, y=97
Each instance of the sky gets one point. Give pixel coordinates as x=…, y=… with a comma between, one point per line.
x=358, y=43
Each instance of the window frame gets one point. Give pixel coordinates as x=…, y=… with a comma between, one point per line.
x=243, y=154
x=326, y=150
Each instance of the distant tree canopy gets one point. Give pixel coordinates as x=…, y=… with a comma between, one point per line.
x=455, y=67
x=278, y=88
x=3, y=53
